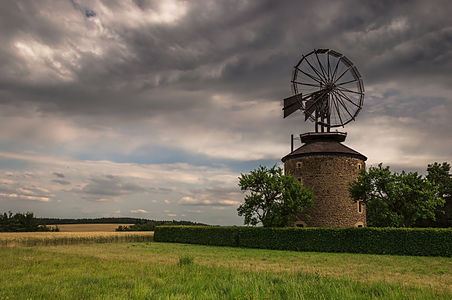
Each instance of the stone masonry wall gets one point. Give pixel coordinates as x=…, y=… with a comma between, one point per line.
x=329, y=176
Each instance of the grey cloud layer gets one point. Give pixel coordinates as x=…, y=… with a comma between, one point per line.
x=129, y=66
x=201, y=82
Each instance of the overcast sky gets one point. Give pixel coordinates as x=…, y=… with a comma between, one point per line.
x=152, y=109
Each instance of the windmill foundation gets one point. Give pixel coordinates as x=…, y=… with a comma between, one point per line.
x=327, y=166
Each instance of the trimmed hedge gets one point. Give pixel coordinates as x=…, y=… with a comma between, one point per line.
x=204, y=235
x=396, y=241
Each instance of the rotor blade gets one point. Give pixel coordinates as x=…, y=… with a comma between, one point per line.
x=307, y=84
x=291, y=104
x=342, y=74
x=335, y=68
x=340, y=93
x=321, y=67
x=312, y=67
x=344, y=106
x=342, y=83
x=309, y=75
x=328, y=69
x=337, y=109
x=347, y=90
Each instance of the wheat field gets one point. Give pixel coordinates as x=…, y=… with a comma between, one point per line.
x=88, y=227
x=11, y=239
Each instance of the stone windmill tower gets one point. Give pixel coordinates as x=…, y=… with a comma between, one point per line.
x=329, y=91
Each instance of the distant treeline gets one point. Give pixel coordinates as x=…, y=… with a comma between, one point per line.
x=21, y=222
x=149, y=225
x=138, y=223
x=26, y=222
x=54, y=221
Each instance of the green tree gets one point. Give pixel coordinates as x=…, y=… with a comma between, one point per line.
x=273, y=198
x=21, y=222
x=393, y=199
x=439, y=175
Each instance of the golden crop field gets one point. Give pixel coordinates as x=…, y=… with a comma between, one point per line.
x=11, y=239
x=88, y=227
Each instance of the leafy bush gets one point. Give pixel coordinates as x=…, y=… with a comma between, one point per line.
x=396, y=241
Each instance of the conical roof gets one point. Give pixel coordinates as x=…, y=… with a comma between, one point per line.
x=323, y=144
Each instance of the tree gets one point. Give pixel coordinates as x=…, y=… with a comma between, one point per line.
x=20, y=222
x=439, y=176
x=395, y=200
x=273, y=198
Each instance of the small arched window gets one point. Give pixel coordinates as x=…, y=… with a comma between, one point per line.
x=299, y=164
x=359, y=166
x=360, y=206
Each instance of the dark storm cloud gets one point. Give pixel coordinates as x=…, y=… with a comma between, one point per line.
x=108, y=187
x=59, y=175
x=244, y=47
x=62, y=182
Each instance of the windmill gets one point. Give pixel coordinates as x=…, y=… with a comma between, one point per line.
x=327, y=88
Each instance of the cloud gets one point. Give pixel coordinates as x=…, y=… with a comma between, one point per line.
x=25, y=197
x=108, y=187
x=62, y=182
x=14, y=191
x=204, y=201
x=138, y=211
x=98, y=187
x=59, y=175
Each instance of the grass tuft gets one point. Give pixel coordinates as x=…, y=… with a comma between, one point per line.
x=186, y=260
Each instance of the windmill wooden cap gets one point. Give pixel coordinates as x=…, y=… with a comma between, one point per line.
x=326, y=143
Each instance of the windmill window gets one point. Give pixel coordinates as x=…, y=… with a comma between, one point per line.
x=359, y=166
x=299, y=165
x=360, y=206
x=300, y=179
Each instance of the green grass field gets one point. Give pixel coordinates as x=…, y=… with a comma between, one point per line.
x=177, y=271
